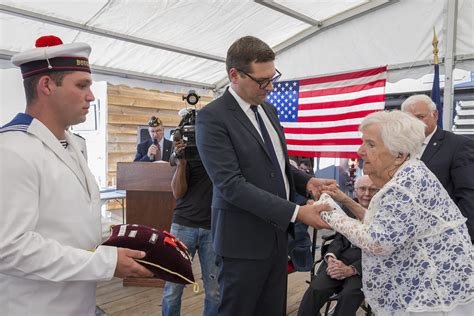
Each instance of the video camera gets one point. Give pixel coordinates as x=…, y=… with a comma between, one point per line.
x=186, y=131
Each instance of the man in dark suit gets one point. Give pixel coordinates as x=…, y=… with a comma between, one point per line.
x=341, y=271
x=243, y=149
x=157, y=147
x=449, y=156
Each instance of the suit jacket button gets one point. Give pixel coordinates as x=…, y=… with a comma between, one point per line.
x=272, y=175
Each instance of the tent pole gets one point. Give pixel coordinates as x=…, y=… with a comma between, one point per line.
x=451, y=21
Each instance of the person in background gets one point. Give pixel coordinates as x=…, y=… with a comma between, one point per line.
x=417, y=256
x=243, y=148
x=341, y=270
x=49, y=200
x=157, y=147
x=191, y=224
x=299, y=240
x=305, y=166
x=449, y=156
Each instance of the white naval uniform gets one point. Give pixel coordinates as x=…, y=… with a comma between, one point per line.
x=81, y=143
x=49, y=220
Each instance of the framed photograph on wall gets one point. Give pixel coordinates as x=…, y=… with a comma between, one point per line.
x=91, y=122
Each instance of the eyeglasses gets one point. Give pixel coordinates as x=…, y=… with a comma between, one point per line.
x=263, y=83
x=367, y=189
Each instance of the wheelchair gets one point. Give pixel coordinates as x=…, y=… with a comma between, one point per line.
x=317, y=266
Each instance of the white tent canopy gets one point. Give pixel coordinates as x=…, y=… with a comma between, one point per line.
x=399, y=35
x=185, y=42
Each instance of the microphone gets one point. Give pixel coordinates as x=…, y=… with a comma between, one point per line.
x=155, y=142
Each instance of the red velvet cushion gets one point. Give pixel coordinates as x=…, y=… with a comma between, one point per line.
x=166, y=256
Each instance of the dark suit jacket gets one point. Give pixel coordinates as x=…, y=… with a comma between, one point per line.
x=142, y=150
x=451, y=158
x=299, y=248
x=342, y=248
x=247, y=214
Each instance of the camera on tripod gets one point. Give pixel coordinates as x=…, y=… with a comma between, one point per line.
x=186, y=131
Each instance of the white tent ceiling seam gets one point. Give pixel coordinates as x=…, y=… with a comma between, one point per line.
x=89, y=22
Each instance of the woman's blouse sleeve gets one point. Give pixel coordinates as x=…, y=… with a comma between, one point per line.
x=394, y=222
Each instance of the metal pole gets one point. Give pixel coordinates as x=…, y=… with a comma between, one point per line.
x=449, y=64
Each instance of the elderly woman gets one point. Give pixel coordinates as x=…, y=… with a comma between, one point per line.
x=416, y=252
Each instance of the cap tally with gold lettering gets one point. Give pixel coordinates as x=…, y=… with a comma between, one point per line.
x=51, y=55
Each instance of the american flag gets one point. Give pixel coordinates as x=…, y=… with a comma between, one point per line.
x=321, y=115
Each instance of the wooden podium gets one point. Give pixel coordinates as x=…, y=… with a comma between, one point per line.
x=149, y=200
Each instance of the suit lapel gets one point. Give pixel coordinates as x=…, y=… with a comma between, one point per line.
x=276, y=125
x=44, y=134
x=89, y=177
x=433, y=146
x=237, y=112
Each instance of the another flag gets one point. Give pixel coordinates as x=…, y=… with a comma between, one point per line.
x=321, y=115
x=436, y=95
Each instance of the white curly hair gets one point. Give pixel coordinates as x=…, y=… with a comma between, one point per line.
x=401, y=132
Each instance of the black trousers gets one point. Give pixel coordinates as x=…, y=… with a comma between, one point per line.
x=322, y=287
x=254, y=287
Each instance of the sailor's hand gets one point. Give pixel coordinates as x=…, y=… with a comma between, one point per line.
x=128, y=267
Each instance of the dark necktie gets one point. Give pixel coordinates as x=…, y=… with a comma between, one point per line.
x=269, y=145
x=158, y=152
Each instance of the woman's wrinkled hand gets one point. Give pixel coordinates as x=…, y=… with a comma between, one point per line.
x=336, y=193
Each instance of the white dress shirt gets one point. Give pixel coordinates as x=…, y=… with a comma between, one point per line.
x=426, y=142
x=245, y=106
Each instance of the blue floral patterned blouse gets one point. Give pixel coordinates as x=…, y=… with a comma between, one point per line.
x=416, y=252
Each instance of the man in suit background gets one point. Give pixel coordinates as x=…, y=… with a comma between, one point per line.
x=341, y=271
x=449, y=156
x=243, y=148
x=157, y=147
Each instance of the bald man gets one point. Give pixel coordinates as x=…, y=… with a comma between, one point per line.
x=449, y=156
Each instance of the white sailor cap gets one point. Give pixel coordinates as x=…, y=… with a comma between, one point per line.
x=51, y=55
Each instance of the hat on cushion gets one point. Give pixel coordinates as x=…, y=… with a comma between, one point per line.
x=166, y=256
x=51, y=55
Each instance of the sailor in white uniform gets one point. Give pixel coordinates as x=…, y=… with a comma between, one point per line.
x=49, y=200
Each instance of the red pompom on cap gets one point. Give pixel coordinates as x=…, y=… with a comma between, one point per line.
x=48, y=41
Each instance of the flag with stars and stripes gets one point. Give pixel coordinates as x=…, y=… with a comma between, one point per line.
x=321, y=115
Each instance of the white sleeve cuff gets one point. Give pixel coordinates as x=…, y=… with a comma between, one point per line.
x=329, y=254
x=295, y=214
x=109, y=258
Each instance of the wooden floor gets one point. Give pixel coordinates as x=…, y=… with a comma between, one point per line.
x=114, y=299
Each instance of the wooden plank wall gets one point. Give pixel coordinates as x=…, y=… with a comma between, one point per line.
x=129, y=107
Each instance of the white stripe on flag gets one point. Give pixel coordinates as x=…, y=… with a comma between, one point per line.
x=343, y=96
x=341, y=148
x=343, y=83
x=343, y=110
x=323, y=136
